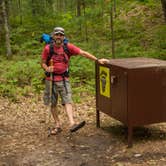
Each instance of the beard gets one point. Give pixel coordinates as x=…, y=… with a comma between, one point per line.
x=58, y=41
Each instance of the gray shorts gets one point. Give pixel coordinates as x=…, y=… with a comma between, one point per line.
x=58, y=88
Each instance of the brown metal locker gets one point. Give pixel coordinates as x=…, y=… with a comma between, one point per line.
x=132, y=90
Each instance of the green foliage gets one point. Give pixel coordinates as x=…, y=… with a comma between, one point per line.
x=130, y=24
x=20, y=77
x=83, y=88
x=139, y=30
x=23, y=76
x=82, y=68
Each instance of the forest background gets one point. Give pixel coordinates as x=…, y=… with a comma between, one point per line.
x=139, y=30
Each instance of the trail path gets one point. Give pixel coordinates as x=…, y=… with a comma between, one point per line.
x=23, y=140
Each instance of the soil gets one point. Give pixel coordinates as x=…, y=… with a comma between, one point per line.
x=24, y=141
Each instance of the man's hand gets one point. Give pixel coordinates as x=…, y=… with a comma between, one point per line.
x=92, y=57
x=103, y=61
x=50, y=69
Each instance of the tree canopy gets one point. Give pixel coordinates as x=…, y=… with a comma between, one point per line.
x=23, y=22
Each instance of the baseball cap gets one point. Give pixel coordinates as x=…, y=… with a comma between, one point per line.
x=58, y=30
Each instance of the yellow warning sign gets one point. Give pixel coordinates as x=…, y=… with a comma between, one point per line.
x=104, y=75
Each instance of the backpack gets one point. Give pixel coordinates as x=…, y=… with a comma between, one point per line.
x=51, y=53
x=47, y=39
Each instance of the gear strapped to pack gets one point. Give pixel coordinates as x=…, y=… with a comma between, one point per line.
x=65, y=60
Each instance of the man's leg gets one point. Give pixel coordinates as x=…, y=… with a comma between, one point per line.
x=54, y=112
x=50, y=99
x=66, y=101
x=69, y=111
x=73, y=126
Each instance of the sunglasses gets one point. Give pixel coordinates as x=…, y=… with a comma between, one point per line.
x=59, y=34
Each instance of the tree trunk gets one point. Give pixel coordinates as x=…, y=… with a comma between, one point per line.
x=1, y=18
x=86, y=28
x=6, y=26
x=163, y=2
x=112, y=31
x=33, y=8
x=78, y=8
x=115, y=8
x=20, y=11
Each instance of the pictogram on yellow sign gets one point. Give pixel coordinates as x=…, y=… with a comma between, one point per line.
x=104, y=75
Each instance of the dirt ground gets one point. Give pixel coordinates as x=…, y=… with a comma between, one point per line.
x=24, y=141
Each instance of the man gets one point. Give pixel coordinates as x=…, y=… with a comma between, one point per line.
x=58, y=53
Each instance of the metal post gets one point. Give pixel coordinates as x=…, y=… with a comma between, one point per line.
x=97, y=93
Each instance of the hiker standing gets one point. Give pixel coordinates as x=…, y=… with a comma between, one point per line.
x=59, y=54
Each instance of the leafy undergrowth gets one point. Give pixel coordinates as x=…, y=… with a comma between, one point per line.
x=23, y=76
x=24, y=141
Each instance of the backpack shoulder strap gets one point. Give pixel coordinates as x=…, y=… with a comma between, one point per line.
x=66, y=49
x=51, y=52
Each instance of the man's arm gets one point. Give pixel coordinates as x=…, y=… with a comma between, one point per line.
x=92, y=57
x=44, y=56
x=45, y=67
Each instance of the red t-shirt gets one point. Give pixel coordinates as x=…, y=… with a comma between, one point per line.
x=59, y=60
